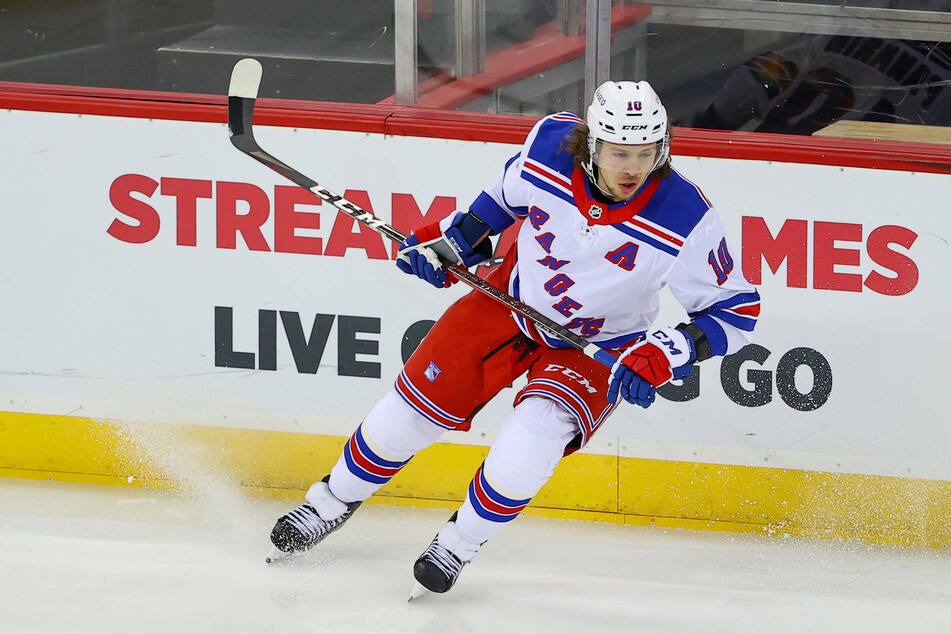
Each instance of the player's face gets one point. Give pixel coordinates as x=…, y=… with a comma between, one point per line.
x=622, y=169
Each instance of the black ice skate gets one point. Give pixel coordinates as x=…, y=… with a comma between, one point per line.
x=439, y=566
x=305, y=526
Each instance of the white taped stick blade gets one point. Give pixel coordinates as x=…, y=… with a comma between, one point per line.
x=246, y=78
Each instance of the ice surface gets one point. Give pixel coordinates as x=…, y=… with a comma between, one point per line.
x=85, y=558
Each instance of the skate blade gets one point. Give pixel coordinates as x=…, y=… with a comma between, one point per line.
x=418, y=591
x=276, y=555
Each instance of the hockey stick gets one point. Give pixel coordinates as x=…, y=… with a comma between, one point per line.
x=242, y=93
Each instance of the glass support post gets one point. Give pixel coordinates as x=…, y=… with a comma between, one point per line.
x=597, y=55
x=405, y=37
x=470, y=37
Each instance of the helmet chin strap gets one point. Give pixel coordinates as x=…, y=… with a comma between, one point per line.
x=592, y=171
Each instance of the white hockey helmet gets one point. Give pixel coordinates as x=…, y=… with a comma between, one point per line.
x=626, y=113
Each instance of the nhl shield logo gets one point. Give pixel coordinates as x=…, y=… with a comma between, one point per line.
x=595, y=211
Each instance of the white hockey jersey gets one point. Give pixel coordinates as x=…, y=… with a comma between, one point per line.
x=598, y=269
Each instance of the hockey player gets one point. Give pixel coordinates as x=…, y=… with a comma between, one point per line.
x=606, y=224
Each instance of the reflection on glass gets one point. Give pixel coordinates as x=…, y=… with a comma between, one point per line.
x=819, y=79
x=730, y=64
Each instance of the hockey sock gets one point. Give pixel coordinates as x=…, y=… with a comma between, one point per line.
x=391, y=434
x=530, y=443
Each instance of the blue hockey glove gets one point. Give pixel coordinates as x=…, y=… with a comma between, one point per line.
x=457, y=239
x=635, y=390
x=666, y=353
x=631, y=387
x=424, y=264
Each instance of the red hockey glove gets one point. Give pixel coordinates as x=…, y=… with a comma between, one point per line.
x=648, y=362
x=655, y=358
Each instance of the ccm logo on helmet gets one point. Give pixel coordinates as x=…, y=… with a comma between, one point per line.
x=633, y=127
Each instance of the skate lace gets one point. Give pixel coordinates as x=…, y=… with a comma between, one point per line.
x=307, y=521
x=448, y=564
